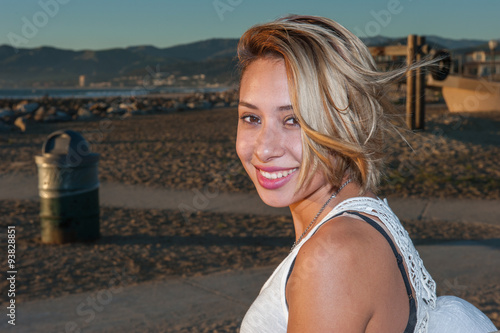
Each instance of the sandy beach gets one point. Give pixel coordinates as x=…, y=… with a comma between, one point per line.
x=456, y=157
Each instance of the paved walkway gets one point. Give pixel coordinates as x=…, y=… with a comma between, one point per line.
x=134, y=196
x=177, y=301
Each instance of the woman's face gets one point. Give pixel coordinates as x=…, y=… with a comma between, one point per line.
x=269, y=138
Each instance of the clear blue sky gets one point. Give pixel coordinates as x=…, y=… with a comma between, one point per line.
x=103, y=24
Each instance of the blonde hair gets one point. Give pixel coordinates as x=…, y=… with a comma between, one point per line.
x=337, y=95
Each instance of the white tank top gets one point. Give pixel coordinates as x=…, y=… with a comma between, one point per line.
x=269, y=312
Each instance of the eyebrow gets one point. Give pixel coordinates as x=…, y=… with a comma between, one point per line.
x=280, y=108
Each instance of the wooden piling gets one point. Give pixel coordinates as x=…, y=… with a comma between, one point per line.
x=410, y=83
x=420, y=87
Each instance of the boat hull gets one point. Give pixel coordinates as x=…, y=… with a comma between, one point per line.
x=469, y=94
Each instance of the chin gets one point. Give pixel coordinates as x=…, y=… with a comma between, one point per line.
x=276, y=199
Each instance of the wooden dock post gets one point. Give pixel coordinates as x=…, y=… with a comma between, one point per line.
x=410, y=83
x=420, y=87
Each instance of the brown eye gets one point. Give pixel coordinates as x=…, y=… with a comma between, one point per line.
x=251, y=119
x=292, y=121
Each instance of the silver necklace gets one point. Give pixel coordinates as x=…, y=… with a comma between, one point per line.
x=319, y=213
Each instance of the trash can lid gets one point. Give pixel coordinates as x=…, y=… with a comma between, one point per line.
x=67, y=143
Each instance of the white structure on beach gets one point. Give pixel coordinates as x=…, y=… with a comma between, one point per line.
x=81, y=81
x=481, y=63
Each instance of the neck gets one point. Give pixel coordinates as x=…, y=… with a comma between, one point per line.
x=304, y=211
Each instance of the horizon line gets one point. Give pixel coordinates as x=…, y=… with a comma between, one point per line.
x=213, y=38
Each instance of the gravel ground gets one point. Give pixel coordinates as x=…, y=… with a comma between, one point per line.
x=457, y=157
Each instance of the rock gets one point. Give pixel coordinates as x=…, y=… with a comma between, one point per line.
x=128, y=106
x=63, y=116
x=115, y=110
x=20, y=123
x=51, y=110
x=220, y=105
x=126, y=115
x=58, y=116
x=136, y=112
x=98, y=107
x=26, y=107
x=199, y=105
x=6, y=114
x=20, y=105
x=84, y=113
x=180, y=106
x=39, y=114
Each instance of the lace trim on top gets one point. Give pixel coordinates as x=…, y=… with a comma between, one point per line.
x=421, y=281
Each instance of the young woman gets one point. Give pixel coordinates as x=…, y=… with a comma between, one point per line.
x=311, y=131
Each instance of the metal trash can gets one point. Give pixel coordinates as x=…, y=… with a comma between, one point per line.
x=69, y=189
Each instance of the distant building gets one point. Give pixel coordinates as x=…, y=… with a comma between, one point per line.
x=105, y=84
x=479, y=64
x=389, y=57
x=81, y=81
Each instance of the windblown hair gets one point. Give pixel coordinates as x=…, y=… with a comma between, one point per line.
x=337, y=94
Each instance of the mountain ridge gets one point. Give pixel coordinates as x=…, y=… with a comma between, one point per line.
x=215, y=58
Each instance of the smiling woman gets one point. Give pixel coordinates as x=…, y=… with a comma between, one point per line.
x=312, y=122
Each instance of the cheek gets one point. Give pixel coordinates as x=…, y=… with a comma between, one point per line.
x=296, y=148
x=243, y=148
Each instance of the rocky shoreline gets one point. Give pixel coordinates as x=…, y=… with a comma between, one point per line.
x=17, y=114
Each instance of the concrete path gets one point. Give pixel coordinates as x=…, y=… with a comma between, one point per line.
x=136, y=196
x=152, y=305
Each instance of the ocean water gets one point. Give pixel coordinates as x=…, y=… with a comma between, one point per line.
x=95, y=93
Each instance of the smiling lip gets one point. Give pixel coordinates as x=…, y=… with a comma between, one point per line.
x=274, y=177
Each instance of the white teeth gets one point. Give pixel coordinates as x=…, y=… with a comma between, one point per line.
x=276, y=175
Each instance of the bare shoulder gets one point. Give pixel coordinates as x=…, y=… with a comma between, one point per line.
x=341, y=278
x=345, y=241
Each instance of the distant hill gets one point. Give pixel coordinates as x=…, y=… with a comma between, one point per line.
x=215, y=58
x=454, y=44
x=199, y=51
x=56, y=67
x=435, y=42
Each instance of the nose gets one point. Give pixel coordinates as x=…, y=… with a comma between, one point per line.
x=269, y=144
